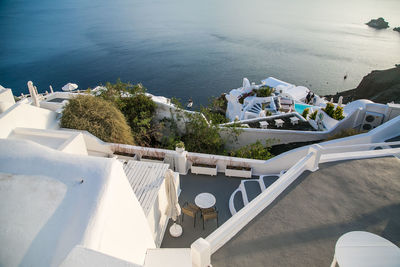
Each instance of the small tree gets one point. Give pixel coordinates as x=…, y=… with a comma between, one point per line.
x=338, y=114
x=329, y=109
x=305, y=113
x=97, y=116
x=202, y=137
x=313, y=115
x=139, y=110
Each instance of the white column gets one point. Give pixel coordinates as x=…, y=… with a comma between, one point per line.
x=200, y=253
x=181, y=160
x=313, y=165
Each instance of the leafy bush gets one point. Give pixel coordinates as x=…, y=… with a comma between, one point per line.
x=336, y=114
x=180, y=144
x=265, y=91
x=305, y=113
x=97, y=116
x=137, y=108
x=202, y=137
x=253, y=151
x=313, y=115
x=329, y=109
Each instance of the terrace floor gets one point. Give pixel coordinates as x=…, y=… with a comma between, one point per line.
x=301, y=227
x=192, y=184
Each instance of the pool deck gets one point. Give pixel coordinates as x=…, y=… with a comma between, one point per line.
x=301, y=227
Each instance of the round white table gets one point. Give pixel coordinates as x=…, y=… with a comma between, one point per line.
x=205, y=200
x=365, y=249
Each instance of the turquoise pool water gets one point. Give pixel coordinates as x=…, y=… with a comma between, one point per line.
x=300, y=107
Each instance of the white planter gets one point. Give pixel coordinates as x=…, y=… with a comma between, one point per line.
x=313, y=123
x=179, y=149
x=238, y=173
x=204, y=170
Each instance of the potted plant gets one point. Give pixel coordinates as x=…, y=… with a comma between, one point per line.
x=204, y=168
x=238, y=171
x=180, y=147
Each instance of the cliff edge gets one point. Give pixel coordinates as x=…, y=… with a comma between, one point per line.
x=381, y=86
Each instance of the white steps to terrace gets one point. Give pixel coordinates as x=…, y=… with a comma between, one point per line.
x=250, y=189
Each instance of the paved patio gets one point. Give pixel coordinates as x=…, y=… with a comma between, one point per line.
x=191, y=184
x=302, y=225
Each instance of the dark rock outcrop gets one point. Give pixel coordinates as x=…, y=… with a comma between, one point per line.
x=397, y=29
x=378, y=23
x=381, y=86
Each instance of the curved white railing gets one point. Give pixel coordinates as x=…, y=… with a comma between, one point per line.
x=203, y=248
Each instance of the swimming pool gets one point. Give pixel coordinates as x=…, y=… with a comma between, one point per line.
x=301, y=107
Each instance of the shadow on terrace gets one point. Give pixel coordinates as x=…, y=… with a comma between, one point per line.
x=221, y=187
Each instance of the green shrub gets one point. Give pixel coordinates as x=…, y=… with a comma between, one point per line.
x=265, y=91
x=139, y=111
x=180, y=144
x=329, y=109
x=97, y=116
x=202, y=137
x=313, y=115
x=253, y=151
x=338, y=113
x=305, y=113
x=137, y=108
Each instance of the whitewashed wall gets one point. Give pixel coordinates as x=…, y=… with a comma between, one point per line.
x=27, y=116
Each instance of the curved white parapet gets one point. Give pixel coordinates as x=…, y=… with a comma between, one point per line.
x=242, y=190
x=232, y=201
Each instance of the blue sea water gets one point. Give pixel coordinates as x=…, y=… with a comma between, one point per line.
x=194, y=48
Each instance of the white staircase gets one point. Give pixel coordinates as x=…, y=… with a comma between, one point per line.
x=241, y=195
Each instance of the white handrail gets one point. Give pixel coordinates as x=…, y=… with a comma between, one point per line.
x=240, y=219
x=368, y=145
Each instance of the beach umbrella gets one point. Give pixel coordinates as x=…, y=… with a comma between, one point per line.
x=69, y=87
x=173, y=208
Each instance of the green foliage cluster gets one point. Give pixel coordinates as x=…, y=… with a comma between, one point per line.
x=137, y=107
x=265, y=91
x=97, y=116
x=305, y=113
x=124, y=114
x=336, y=114
x=201, y=136
x=180, y=144
x=313, y=115
x=253, y=151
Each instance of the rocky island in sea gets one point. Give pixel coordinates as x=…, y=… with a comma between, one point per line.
x=378, y=23
x=382, y=86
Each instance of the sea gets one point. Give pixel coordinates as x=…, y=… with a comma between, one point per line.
x=194, y=49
